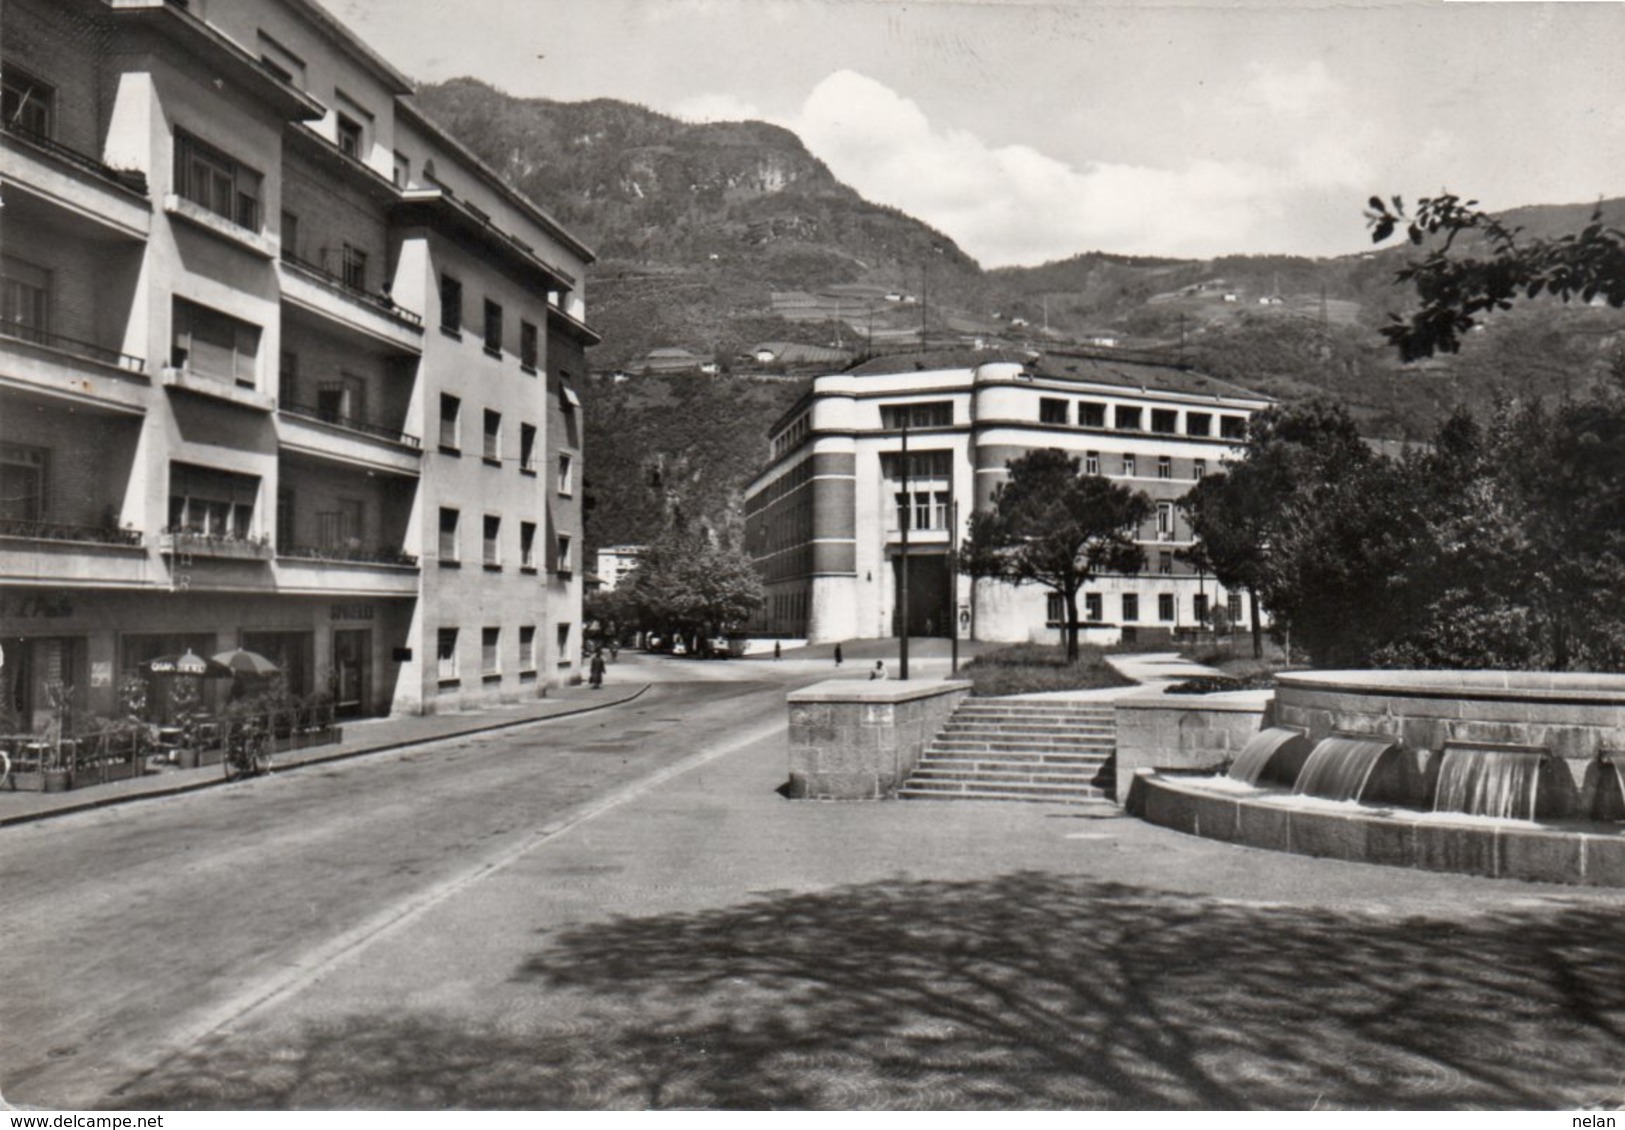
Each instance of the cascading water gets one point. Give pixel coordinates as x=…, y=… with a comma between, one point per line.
x=1489, y=781
x=1340, y=766
x=1254, y=759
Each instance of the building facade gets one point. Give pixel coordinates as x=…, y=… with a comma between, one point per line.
x=282, y=366
x=615, y=564
x=827, y=519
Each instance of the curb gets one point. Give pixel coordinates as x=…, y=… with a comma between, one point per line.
x=179, y=789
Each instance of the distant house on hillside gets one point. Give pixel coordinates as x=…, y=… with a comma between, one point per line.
x=794, y=353
x=670, y=359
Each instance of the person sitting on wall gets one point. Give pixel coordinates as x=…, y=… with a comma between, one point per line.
x=880, y=670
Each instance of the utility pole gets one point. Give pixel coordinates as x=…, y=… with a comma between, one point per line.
x=907, y=520
x=953, y=578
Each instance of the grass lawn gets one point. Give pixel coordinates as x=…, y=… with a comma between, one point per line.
x=1032, y=668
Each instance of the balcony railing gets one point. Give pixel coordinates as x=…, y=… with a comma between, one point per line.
x=59, y=531
x=194, y=544
x=350, y=423
x=131, y=179
x=22, y=331
x=358, y=556
x=381, y=302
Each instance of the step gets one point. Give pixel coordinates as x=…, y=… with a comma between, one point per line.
x=933, y=757
x=1071, y=794
x=959, y=726
x=1023, y=741
x=982, y=777
x=1038, y=712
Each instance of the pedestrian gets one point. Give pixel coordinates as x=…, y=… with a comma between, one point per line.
x=880, y=670
x=837, y=655
x=597, y=669
x=776, y=653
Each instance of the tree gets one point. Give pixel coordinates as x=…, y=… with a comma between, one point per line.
x=1457, y=287
x=1052, y=525
x=686, y=586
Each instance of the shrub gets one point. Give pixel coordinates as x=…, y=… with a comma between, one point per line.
x=1035, y=668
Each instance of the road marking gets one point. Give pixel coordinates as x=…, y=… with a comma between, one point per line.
x=222, y=1019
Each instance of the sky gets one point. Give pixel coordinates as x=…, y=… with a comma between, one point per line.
x=1032, y=130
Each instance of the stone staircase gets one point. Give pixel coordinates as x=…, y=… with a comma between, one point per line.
x=1020, y=749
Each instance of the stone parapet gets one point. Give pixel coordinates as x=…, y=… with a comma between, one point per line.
x=852, y=740
x=1179, y=732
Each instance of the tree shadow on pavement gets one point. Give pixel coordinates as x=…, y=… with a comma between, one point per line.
x=1026, y=991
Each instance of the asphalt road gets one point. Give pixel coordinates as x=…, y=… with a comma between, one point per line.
x=129, y=934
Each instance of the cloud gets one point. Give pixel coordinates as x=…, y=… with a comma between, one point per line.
x=1010, y=205
x=716, y=108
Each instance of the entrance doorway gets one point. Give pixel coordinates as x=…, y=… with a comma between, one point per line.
x=352, y=651
x=930, y=595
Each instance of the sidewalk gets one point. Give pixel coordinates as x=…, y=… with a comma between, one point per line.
x=361, y=736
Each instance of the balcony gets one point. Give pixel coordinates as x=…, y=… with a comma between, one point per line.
x=190, y=380
x=346, y=571
x=49, y=368
x=21, y=331
x=97, y=201
x=220, y=547
x=331, y=297
x=338, y=438
x=353, y=555
x=67, y=555
x=256, y=243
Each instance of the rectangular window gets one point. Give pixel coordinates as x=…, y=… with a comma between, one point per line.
x=527, y=647
x=401, y=170
x=527, y=545
x=450, y=552
x=1165, y=521
x=562, y=634
x=921, y=464
x=1233, y=427
x=928, y=414
x=281, y=62
x=24, y=473
x=353, y=267
x=493, y=541
x=1094, y=608
x=1199, y=607
x=342, y=401
x=1165, y=467
x=1091, y=462
x=451, y=304
x=1052, y=410
x=349, y=136
x=563, y=566
x=290, y=235
x=215, y=345
x=490, y=651
x=1198, y=468
x=1128, y=419
x=492, y=449
x=527, y=448
x=25, y=299
x=922, y=510
x=1198, y=424
x=446, y=654
x=27, y=105
x=1165, y=563
x=528, y=352
x=1165, y=607
x=941, y=510
x=1128, y=466
x=341, y=527
x=1234, y=602
x=1131, y=607
x=566, y=475
x=211, y=502
x=451, y=411
x=1091, y=415
x=1055, y=612
x=493, y=328
x=1164, y=421
x=207, y=177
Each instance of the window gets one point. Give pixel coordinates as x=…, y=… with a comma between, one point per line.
x=1165, y=563
x=490, y=651
x=528, y=352
x=1234, y=602
x=1131, y=607
x=349, y=136
x=929, y=414
x=493, y=328
x=449, y=550
x=1165, y=607
x=446, y=654
x=566, y=475
x=1091, y=415
x=1128, y=466
x=527, y=448
x=493, y=541
x=1055, y=612
x=213, y=503
x=562, y=634
x=1091, y=462
x=492, y=449
x=1199, y=607
x=1094, y=608
x=451, y=304
x=563, y=567
x=1164, y=421
x=209, y=178
x=290, y=235
x=1198, y=424
x=1052, y=410
x=943, y=506
x=451, y=411
x=215, y=345
x=353, y=267
x=24, y=473
x=401, y=172
x=281, y=62
x=26, y=103
x=921, y=464
x=1233, y=427
x=527, y=647
x=340, y=528
x=25, y=299
x=341, y=401
x=527, y=546
x=1165, y=521
x=1165, y=467
x=1128, y=419
x=1198, y=468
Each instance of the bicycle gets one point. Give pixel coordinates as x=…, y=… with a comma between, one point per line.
x=248, y=753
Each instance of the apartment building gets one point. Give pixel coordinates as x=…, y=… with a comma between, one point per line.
x=282, y=366
x=828, y=518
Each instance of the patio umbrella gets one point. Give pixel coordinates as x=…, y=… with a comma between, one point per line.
x=240, y=662
x=189, y=664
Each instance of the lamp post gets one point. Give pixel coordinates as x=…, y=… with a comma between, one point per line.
x=907, y=517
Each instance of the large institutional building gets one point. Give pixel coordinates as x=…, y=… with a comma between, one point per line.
x=282, y=366
x=826, y=519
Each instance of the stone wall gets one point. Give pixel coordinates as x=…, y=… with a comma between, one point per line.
x=1182, y=732
x=853, y=740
